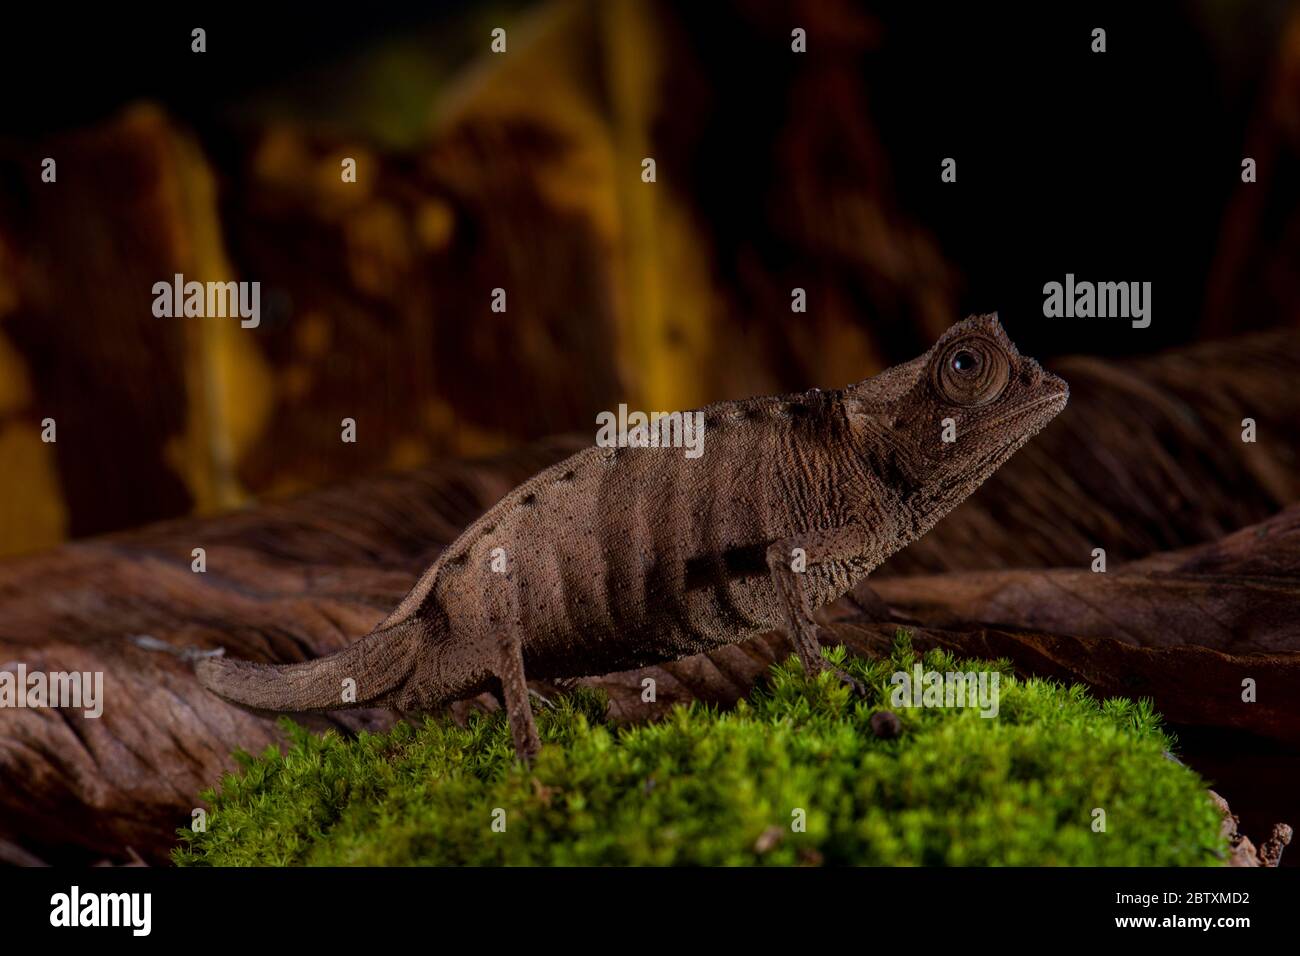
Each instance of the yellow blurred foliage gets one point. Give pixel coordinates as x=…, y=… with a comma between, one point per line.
x=228, y=382
x=32, y=512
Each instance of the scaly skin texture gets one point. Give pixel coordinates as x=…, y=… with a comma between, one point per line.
x=620, y=558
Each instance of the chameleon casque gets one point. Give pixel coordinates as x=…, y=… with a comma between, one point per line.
x=618, y=558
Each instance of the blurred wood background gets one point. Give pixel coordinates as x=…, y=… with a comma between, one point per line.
x=522, y=172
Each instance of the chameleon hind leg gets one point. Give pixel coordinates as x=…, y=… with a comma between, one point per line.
x=506, y=631
x=514, y=686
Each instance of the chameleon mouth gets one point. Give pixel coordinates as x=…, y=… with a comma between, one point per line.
x=1021, y=412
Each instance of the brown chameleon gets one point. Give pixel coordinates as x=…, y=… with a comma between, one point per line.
x=618, y=558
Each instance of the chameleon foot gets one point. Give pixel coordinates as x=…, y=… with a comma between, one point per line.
x=541, y=699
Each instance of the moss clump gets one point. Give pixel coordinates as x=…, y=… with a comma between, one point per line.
x=710, y=787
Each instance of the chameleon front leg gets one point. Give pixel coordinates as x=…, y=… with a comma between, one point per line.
x=818, y=547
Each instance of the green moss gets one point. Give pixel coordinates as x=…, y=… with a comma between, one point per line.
x=711, y=787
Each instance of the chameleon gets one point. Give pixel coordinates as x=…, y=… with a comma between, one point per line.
x=621, y=557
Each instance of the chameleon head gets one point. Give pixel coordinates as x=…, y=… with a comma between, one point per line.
x=952, y=416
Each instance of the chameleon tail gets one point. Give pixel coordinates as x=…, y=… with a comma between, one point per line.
x=379, y=664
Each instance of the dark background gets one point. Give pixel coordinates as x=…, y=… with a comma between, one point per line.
x=1115, y=167
x=818, y=170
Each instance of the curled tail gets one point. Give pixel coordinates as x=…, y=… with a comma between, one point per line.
x=382, y=664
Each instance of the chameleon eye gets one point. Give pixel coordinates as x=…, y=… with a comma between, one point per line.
x=964, y=361
x=972, y=371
